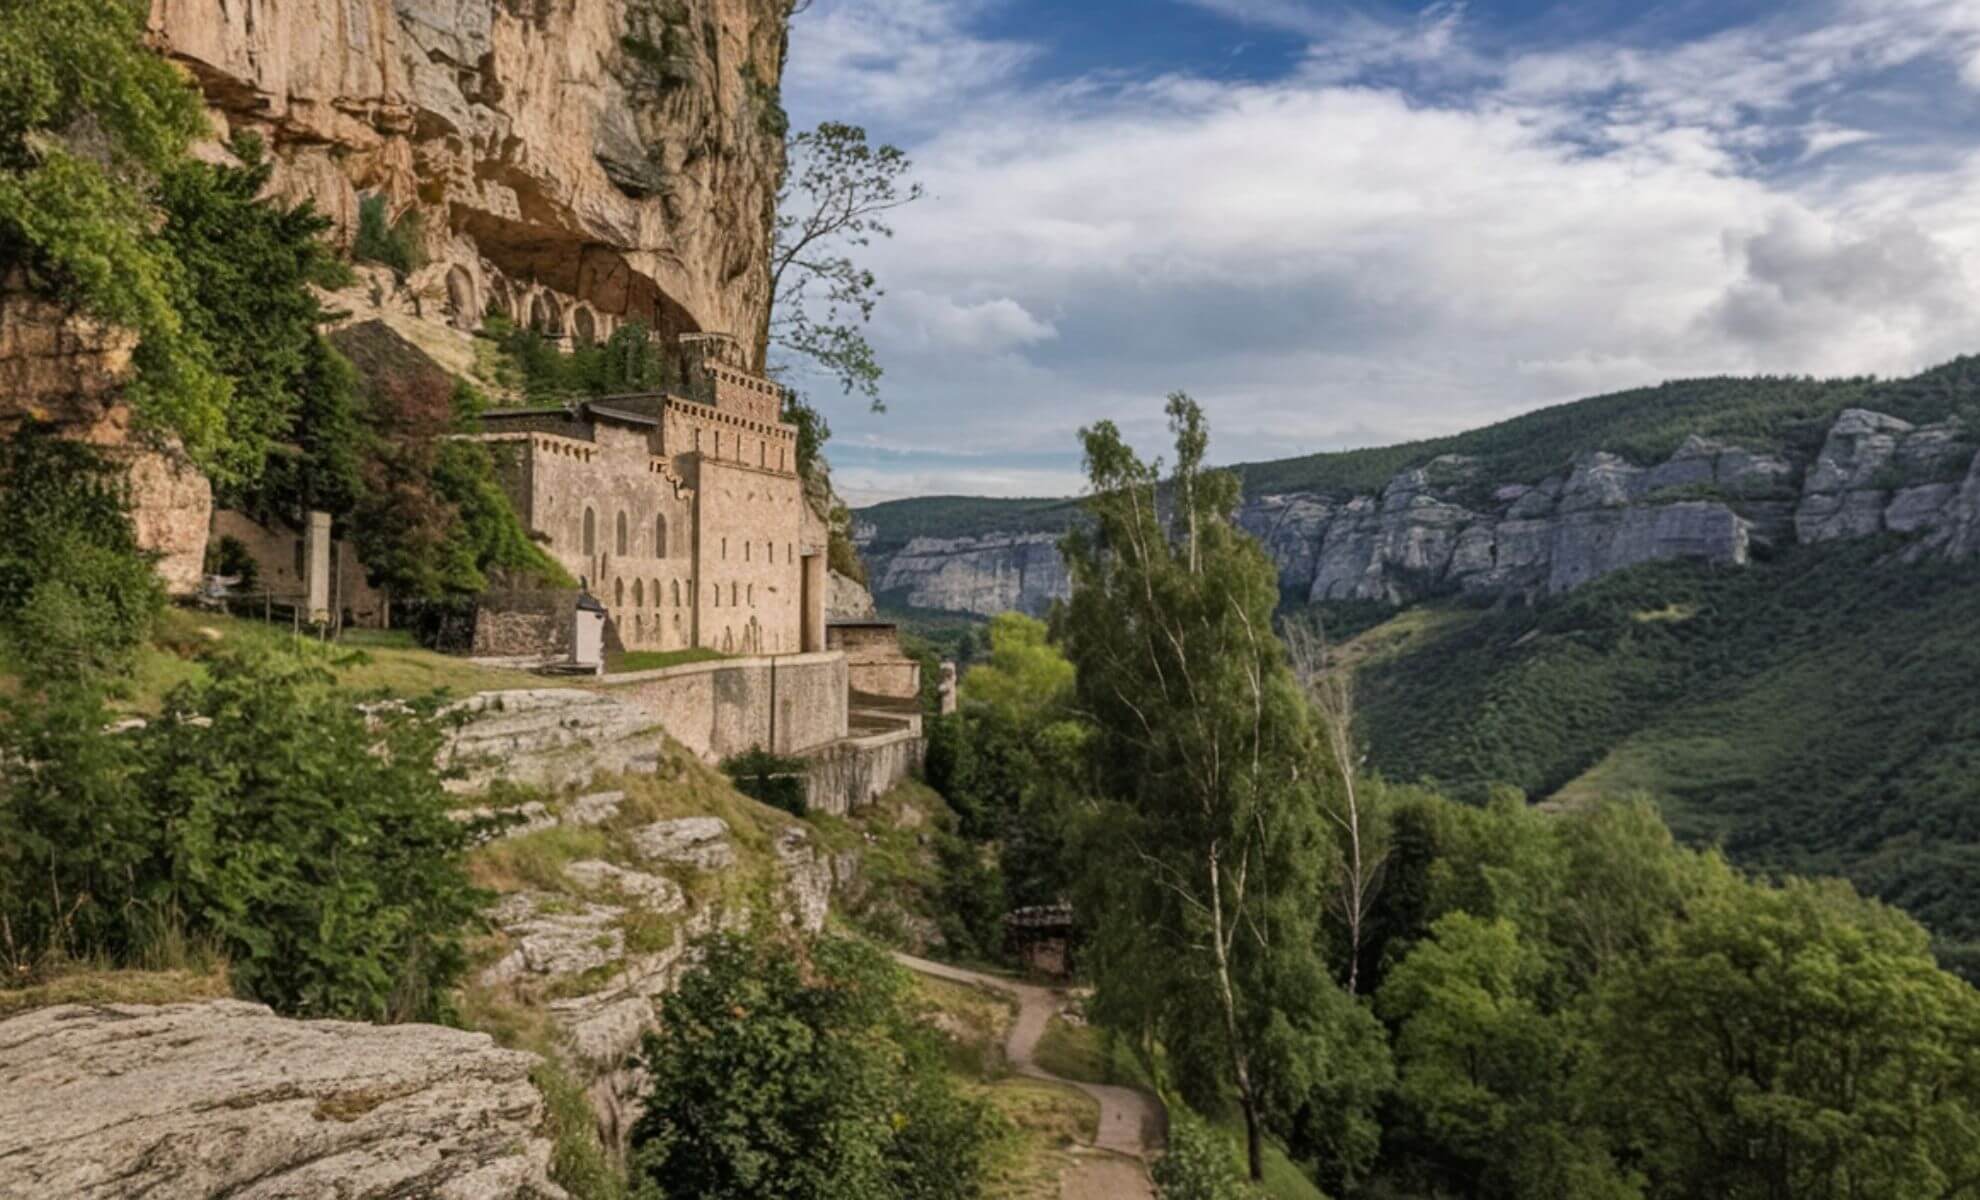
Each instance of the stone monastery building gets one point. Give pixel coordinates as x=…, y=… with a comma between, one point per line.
x=685, y=517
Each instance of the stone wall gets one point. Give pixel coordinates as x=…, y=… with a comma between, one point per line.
x=277, y=554
x=875, y=664
x=787, y=704
x=849, y=775
x=524, y=624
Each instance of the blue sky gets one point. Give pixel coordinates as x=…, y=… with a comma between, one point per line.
x=1351, y=224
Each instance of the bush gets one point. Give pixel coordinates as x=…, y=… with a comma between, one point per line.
x=771, y=778
x=1199, y=1164
x=77, y=596
x=379, y=240
x=268, y=814
x=799, y=1071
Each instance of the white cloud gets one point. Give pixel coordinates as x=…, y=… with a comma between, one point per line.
x=1324, y=263
x=899, y=61
x=941, y=324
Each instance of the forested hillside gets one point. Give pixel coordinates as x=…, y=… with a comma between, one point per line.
x=1813, y=713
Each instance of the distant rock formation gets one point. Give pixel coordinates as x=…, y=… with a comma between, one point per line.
x=224, y=1098
x=1443, y=528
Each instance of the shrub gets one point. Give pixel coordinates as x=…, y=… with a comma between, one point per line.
x=268, y=814
x=1199, y=1164
x=392, y=244
x=796, y=1072
x=77, y=596
x=774, y=779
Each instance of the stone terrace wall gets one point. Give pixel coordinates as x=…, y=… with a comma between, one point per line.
x=852, y=774
x=787, y=703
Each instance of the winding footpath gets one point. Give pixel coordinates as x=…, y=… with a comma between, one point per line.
x=1130, y=1120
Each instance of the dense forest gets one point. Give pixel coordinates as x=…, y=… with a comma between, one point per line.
x=1806, y=713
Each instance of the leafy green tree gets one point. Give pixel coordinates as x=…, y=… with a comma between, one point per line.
x=1198, y=1164
x=836, y=194
x=266, y=813
x=244, y=294
x=1484, y=1067
x=77, y=596
x=785, y=1071
x=89, y=121
x=1792, y=1043
x=1207, y=901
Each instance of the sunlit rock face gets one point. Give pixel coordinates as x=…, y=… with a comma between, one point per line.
x=1443, y=528
x=573, y=164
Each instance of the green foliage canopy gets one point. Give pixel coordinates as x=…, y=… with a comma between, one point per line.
x=1205, y=853
x=268, y=814
x=787, y=1072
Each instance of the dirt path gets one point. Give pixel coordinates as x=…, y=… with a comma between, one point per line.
x=1130, y=1120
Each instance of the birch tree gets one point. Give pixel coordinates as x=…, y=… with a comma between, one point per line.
x=1364, y=849
x=1207, y=858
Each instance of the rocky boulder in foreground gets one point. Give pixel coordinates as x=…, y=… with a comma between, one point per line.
x=225, y=1098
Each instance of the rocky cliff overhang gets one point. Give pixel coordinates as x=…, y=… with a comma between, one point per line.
x=574, y=164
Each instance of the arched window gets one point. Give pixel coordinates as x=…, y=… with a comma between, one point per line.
x=732, y=595
x=622, y=536
x=745, y=551
x=725, y=549
x=639, y=594
x=660, y=536
x=716, y=594
x=590, y=533
x=677, y=593
x=653, y=590
x=639, y=623
x=752, y=595
x=618, y=593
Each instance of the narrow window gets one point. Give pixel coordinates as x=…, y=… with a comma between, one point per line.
x=725, y=549
x=752, y=595
x=622, y=536
x=745, y=551
x=299, y=558
x=732, y=595
x=618, y=593
x=590, y=533
x=639, y=593
x=660, y=536
x=677, y=593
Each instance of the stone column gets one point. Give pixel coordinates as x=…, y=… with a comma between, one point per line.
x=316, y=567
x=812, y=592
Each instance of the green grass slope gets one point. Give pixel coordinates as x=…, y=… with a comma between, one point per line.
x=1814, y=713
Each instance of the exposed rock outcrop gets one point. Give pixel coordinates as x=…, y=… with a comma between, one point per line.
x=549, y=737
x=223, y=1098
x=847, y=599
x=64, y=371
x=1443, y=527
x=988, y=574
x=574, y=164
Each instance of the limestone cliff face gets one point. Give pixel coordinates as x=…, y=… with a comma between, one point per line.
x=1444, y=527
x=575, y=163
x=68, y=372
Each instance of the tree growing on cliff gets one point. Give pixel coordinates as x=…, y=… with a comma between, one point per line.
x=1211, y=833
x=89, y=121
x=838, y=188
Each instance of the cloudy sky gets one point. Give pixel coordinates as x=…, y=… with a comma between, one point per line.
x=1350, y=224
